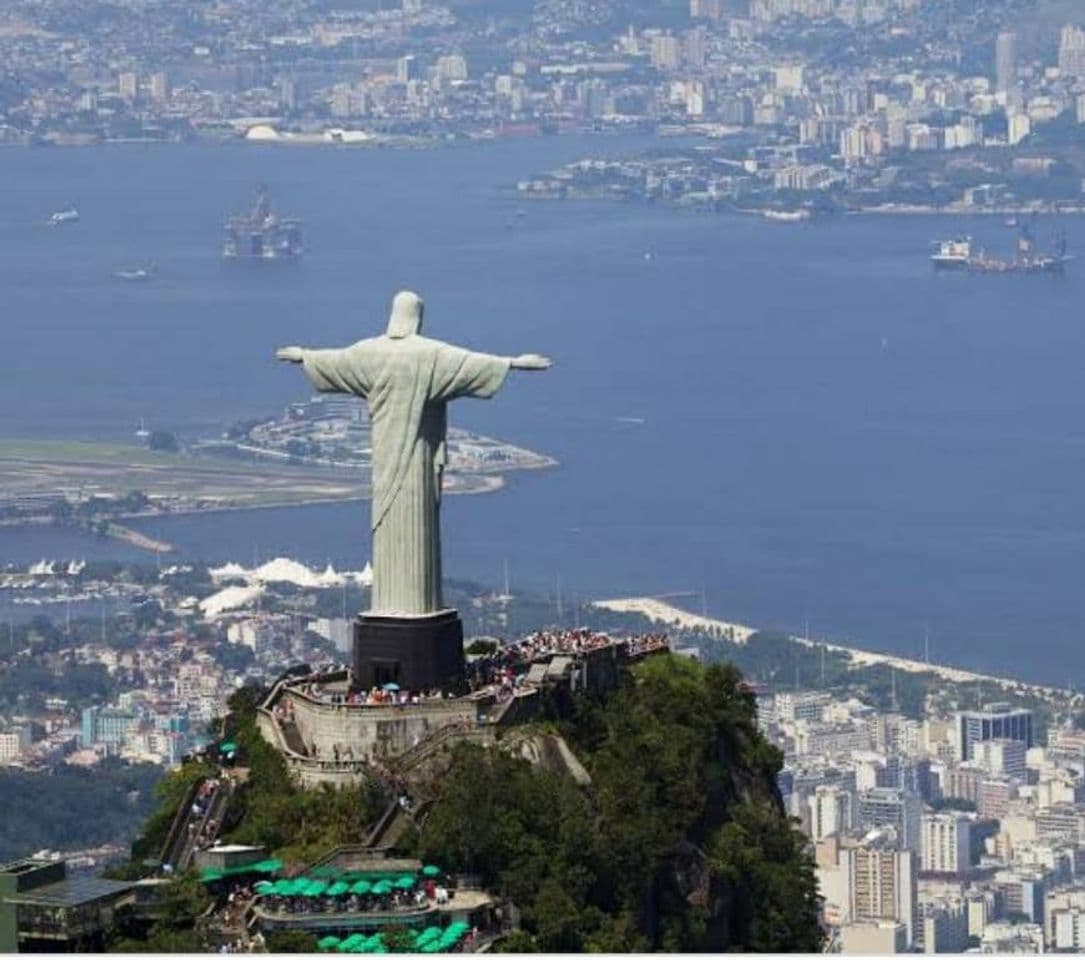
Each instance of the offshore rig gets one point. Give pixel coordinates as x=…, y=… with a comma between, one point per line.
x=261, y=234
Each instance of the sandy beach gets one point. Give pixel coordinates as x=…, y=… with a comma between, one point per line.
x=672, y=616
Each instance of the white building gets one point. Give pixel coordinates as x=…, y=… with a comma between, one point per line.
x=14, y=743
x=1019, y=126
x=1003, y=757
x=946, y=843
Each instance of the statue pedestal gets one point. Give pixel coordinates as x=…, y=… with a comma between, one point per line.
x=418, y=653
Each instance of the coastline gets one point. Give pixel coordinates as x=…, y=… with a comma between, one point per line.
x=738, y=633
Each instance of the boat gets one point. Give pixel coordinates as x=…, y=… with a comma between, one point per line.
x=953, y=254
x=138, y=275
x=262, y=234
x=786, y=216
x=1010, y=222
x=958, y=254
x=71, y=215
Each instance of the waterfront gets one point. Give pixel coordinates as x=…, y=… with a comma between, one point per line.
x=868, y=445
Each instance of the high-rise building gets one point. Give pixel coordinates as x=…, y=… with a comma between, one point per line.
x=666, y=52
x=452, y=68
x=696, y=48
x=832, y=810
x=128, y=86
x=1072, y=50
x=105, y=725
x=943, y=927
x=947, y=841
x=706, y=9
x=160, y=87
x=407, y=68
x=1003, y=757
x=1005, y=61
x=13, y=743
x=997, y=721
x=1019, y=126
x=288, y=94
x=899, y=809
x=882, y=880
x=790, y=77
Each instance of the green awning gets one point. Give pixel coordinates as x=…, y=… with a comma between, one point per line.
x=266, y=866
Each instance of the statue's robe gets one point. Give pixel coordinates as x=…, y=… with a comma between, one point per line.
x=407, y=382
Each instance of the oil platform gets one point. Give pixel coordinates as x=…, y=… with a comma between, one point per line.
x=262, y=234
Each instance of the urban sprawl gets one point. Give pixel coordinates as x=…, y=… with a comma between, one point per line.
x=800, y=106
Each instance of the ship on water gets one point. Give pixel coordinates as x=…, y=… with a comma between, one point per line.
x=262, y=234
x=71, y=215
x=960, y=254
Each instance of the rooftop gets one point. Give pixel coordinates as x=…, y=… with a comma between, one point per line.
x=72, y=892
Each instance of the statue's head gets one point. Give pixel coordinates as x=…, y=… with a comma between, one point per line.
x=406, y=316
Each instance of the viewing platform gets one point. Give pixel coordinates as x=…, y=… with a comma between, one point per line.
x=330, y=732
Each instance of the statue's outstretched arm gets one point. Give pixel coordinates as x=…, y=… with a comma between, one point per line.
x=290, y=354
x=530, y=361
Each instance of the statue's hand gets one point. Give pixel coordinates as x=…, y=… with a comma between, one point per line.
x=531, y=361
x=290, y=354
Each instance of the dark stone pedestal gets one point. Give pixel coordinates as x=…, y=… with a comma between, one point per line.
x=418, y=653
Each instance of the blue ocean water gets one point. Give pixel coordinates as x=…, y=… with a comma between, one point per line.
x=802, y=421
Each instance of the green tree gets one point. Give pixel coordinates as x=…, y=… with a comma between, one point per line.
x=290, y=941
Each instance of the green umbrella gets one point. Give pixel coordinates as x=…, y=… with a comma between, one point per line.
x=346, y=946
x=326, y=943
x=338, y=888
x=405, y=883
x=263, y=886
x=361, y=886
x=382, y=888
x=431, y=946
x=266, y=866
x=431, y=871
x=314, y=888
x=428, y=934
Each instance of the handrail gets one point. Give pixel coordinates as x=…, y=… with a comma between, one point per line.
x=414, y=755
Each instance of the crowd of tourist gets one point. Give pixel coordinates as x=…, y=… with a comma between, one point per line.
x=378, y=696
x=506, y=667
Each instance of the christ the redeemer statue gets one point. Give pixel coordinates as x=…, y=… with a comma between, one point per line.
x=407, y=380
